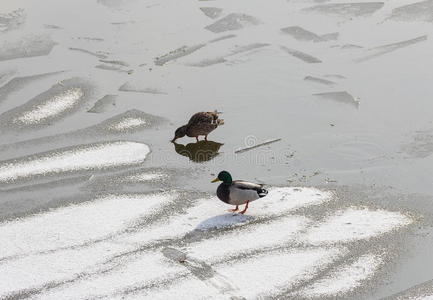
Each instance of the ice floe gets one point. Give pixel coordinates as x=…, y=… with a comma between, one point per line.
x=233, y=21
x=27, y=46
x=347, y=9
x=106, y=103
x=12, y=20
x=356, y=224
x=137, y=271
x=345, y=278
x=302, y=34
x=276, y=272
x=418, y=11
x=211, y=12
x=343, y=97
x=80, y=158
x=236, y=50
x=319, y=80
x=77, y=224
x=52, y=107
x=381, y=50
x=114, y=67
x=129, y=87
x=128, y=124
x=175, y=54
x=271, y=234
x=98, y=248
x=99, y=55
x=301, y=55
x=55, y=103
x=18, y=83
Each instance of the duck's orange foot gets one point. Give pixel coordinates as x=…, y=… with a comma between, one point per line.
x=245, y=209
x=236, y=209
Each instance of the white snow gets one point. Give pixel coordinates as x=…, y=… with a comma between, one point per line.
x=88, y=157
x=356, y=224
x=143, y=177
x=77, y=224
x=273, y=272
x=128, y=123
x=279, y=200
x=138, y=270
x=251, y=278
x=345, y=278
x=52, y=107
x=275, y=233
x=36, y=270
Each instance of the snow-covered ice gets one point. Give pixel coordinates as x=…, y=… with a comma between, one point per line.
x=86, y=157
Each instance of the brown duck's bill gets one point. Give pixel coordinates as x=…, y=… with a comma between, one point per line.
x=215, y=180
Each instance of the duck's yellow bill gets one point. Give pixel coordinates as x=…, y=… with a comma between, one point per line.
x=215, y=180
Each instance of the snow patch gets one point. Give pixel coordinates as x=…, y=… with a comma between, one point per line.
x=272, y=273
x=87, y=157
x=272, y=234
x=52, y=107
x=128, y=124
x=345, y=278
x=356, y=224
x=77, y=224
x=137, y=271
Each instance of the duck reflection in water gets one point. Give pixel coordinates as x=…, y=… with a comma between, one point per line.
x=200, y=151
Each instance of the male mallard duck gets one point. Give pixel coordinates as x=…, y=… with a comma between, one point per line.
x=201, y=123
x=238, y=192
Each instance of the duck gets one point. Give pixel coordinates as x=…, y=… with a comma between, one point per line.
x=201, y=123
x=238, y=192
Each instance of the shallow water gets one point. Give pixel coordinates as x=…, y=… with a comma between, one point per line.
x=345, y=86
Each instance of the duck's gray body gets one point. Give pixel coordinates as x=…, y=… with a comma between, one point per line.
x=240, y=192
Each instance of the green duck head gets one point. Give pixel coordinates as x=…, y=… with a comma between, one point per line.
x=224, y=176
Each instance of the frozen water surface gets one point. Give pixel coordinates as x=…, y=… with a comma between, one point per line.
x=96, y=203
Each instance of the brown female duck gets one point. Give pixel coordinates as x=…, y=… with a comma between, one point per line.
x=201, y=123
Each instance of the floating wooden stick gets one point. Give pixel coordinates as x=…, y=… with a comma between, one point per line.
x=258, y=145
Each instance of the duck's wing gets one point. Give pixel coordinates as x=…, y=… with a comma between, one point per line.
x=243, y=191
x=246, y=185
x=201, y=117
x=211, y=117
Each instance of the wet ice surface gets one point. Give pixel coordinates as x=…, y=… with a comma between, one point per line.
x=232, y=22
x=418, y=11
x=302, y=34
x=25, y=46
x=301, y=55
x=12, y=20
x=96, y=203
x=343, y=97
x=347, y=9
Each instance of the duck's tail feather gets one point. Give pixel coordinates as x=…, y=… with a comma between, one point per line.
x=262, y=192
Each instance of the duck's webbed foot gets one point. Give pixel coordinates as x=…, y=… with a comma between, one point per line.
x=196, y=138
x=245, y=209
x=235, y=209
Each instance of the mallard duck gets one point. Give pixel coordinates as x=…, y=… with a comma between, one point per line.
x=238, y=192
x=201, y=123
